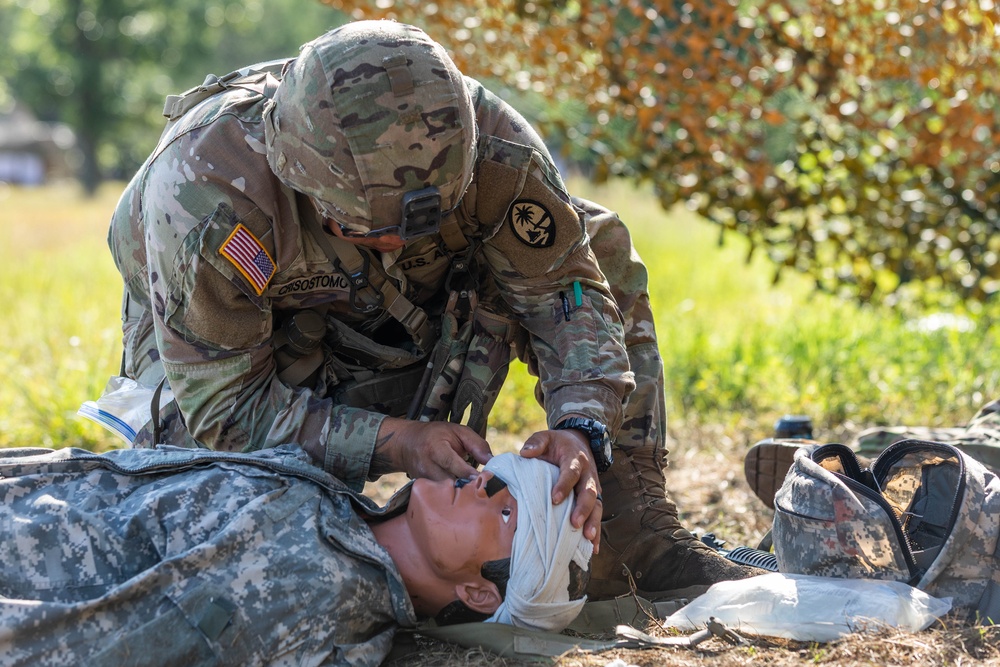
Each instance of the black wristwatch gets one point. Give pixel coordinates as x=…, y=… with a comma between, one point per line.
x=597, y=434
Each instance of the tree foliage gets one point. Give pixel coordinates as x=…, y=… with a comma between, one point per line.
x=105, y=66
x=854, y=140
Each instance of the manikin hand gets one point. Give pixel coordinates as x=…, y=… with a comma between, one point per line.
x=570, y=450
x=435, y=450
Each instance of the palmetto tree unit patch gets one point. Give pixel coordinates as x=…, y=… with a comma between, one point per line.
x=532, y=223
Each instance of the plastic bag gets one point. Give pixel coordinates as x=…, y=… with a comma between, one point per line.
x=810, y=608
x=124, y=407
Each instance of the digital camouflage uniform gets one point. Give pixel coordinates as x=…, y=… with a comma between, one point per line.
x=209, y=319
x=184, y=557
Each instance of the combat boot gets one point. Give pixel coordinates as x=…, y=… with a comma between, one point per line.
x=766, y=464
x=644, y=547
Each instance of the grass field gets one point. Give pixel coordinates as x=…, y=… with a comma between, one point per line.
x=738, y=353
x=59, y=323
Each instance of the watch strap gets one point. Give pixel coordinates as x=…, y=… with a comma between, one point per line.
x=597, y=436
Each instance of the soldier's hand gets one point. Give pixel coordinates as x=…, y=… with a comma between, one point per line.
x=570, y=450
x=435, y=450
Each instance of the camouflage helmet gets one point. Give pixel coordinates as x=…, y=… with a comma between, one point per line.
x=367, y=113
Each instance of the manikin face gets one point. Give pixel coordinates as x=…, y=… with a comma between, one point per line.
x=460, y=527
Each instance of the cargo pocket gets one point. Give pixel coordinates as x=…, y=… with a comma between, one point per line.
x=486, y=364
x=445, y=369
x=201, y=627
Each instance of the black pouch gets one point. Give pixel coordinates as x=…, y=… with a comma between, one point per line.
x=388, y=392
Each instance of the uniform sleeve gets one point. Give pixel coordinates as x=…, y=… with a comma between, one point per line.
x=540, y=257
x=213, y=333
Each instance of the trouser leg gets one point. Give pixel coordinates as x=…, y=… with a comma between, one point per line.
x=870, y=442
x=980, y=438
x=642, y=540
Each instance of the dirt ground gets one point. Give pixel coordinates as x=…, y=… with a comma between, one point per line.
x=706, y=479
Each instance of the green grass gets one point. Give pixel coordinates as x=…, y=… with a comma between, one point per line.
x=59, y=322
x=738, y=352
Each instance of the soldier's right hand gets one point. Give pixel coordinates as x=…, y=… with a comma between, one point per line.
x=435, y=450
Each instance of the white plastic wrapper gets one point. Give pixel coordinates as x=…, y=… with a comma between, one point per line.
x=809, y=608
x=124, y=407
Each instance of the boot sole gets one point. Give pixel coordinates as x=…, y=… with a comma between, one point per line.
x=766, y=465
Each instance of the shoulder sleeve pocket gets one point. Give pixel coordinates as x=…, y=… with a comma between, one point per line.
x=215, y=302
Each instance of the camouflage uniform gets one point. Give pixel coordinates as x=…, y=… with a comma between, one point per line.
x=562, y=270
x=184, y=557
x=643, y=543
x=980, y=439
x=195, y=315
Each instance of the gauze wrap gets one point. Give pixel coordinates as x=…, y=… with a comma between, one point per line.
x=544, y=545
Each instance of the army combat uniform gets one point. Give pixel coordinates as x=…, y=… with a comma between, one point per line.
x=219, y=253
x=189, y=557
x=208, y=320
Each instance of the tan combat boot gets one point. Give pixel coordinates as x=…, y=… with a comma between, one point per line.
x=643, y=542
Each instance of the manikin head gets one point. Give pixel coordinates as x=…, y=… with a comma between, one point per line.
x=374, y=123
x=491, y=548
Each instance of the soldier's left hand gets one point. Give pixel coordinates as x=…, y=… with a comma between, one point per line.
x=570, y=450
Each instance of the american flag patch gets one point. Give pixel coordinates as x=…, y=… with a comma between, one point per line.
x=244, y=250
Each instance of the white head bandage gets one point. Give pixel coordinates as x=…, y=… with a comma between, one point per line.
x=544, y=545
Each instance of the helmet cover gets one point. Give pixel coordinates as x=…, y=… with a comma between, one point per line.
x=366, y=113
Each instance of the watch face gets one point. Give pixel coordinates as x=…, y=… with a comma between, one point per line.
x=600, y=445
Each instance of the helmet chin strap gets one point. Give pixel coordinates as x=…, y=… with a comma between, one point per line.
x=420, y=216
